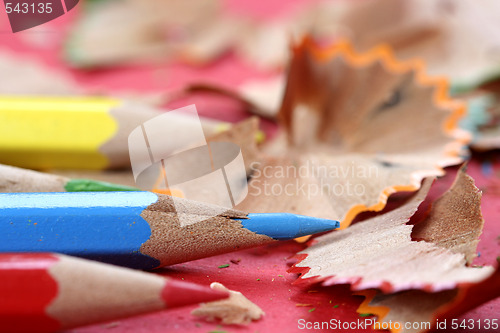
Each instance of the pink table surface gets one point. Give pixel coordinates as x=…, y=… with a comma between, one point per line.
x=257, y=275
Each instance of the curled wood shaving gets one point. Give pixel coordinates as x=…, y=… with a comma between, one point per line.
x=380, y=253
x=355, y=128
x=237, y=309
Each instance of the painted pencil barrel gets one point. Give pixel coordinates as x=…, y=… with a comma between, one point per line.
x=75, y=132
x=14, y=179
x=138, y=229
x=44, y=132
x=43, y=292
x=106, y=228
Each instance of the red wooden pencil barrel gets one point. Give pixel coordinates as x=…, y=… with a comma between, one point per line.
x=49, y=292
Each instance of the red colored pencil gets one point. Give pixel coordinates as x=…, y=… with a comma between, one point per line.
x=43, y=292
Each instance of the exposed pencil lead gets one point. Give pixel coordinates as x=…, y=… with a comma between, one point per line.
x=283, y=226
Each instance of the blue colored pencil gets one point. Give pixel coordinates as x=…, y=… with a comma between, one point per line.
x=138, y=229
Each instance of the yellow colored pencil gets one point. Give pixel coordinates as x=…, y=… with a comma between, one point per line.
x=75, y=132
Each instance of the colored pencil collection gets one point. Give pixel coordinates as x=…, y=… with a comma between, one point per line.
x=103, y=189
x=63, y=240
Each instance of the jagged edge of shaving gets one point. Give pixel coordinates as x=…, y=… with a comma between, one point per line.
x=453, y=152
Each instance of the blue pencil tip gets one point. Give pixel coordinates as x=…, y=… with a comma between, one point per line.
x=283, y=226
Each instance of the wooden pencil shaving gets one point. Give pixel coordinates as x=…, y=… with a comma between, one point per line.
x=380, y=253
x=414, y=306
x=196, y=31
x=264, y=95
x=237, y=309
x=259, y=97
x=455, y=221
x=245, y=135
x=427, y=278
x=24, y=76
x=153, y=30
x=447, y=34
x=430, y=309
x=355, y=128
x=457, y=39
